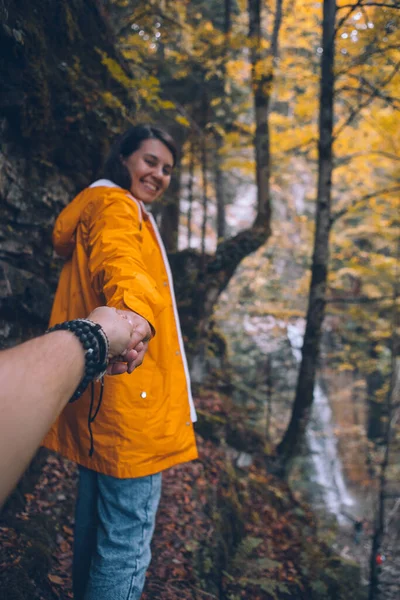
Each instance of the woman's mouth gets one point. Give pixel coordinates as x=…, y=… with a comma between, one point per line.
x=150, y=187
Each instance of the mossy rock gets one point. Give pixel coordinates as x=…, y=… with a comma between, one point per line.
x=16, y=501
x=54, y=83
x=328, y=576
x=243, y=438
x=39, y=528
x=15, y=584
x=36, y=543
x=210, y=427
x=226, y=512
x=37, y=561
x=342, y=578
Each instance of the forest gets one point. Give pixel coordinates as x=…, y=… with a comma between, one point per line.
x=282, y=228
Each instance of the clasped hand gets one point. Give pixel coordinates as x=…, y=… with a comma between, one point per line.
x=129, y=335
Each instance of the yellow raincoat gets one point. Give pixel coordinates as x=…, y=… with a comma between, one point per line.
x=115, y=257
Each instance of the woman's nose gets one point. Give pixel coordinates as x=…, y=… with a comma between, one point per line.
x=158, y=172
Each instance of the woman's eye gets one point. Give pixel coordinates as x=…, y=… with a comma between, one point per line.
x=151, y=163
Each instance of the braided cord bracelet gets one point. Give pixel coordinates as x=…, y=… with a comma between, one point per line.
x=95, y=345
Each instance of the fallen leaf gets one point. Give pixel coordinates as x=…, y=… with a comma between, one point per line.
x=56, y=579
x=64, y=546
x=68, y=530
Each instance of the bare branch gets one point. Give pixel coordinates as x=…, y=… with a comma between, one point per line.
x=374, y=93
x=344, y=160
x=302, y=145
x=352, y=8
x=355, y=300
x=370, y=51
x=364, y=81
x=365, y=198
x=135, y=17
x=353, y=113
x=394, y=102
x=275, y=33
x=396, y=5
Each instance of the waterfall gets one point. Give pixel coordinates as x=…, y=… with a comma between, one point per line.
x=321, y=441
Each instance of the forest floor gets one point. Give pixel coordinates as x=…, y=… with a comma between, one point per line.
x=205, y=512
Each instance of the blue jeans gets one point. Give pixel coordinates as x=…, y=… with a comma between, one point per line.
x=114, y=524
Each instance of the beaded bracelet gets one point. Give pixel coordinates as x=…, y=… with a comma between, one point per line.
x=95, y=345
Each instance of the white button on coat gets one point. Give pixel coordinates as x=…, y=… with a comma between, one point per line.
x=143, y=394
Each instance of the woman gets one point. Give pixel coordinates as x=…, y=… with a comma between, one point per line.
x=144, y=425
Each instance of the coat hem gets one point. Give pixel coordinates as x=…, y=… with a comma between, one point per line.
x=126, y=473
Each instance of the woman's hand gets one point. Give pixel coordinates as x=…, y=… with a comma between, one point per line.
x=128, y=334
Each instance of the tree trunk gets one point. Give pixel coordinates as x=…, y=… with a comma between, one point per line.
x=269, y=390
x=219, y=139
x=376, y=410
x=391, y=401
x=170, y=204
x=294, y=435
x=219, y=189
x=204, y=184
x=261, y=84
x=170, y=213
x=190, y=194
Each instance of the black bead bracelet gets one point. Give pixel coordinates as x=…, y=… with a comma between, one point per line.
x=95, y=345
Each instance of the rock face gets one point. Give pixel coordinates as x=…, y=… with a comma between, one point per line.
x=61, y=99
x=264, y=369
x=28, y=271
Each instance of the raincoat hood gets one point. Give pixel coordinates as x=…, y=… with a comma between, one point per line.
x=64, y=233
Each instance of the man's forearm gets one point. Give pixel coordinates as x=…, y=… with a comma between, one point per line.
x=37, y=380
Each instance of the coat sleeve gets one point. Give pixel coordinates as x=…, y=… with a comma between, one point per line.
x=114, y=246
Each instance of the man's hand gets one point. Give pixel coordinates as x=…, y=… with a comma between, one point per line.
x=128, y=334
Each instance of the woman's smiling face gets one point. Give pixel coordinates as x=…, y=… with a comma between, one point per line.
x=150, y=168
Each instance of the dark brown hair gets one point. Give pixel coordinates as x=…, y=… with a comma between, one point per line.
x=128, y=143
